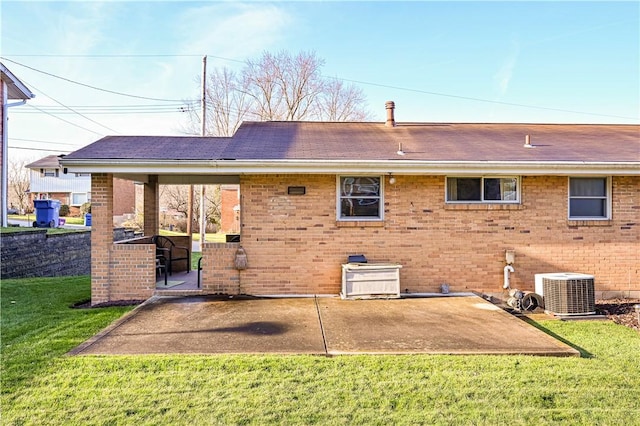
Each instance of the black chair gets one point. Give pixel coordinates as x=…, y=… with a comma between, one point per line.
x=171, y=252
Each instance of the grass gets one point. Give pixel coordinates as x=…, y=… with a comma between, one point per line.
x=31, y=217
x=210, y=238
x=10, y=229
x=40, y=385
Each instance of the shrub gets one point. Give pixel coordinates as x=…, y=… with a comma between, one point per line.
x=85, y=208
x=64, y=210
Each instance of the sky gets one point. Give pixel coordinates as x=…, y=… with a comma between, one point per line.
x=454, y=61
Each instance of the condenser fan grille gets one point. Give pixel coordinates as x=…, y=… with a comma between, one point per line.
x=569, y=296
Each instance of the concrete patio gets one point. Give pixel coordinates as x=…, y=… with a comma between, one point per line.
x=321, y=326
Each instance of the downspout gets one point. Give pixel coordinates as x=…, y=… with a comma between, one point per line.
x=5, y=147
x=507, y=270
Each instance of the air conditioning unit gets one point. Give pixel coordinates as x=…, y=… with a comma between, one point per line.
x=567, y=293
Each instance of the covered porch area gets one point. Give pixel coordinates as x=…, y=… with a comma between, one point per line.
x=128, y=269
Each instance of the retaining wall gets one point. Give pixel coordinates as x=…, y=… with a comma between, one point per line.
x=34, y=253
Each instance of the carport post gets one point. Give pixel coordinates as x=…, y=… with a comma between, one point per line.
x=101, y=235
x=151, y=206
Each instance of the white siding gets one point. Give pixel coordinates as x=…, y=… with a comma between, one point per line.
x=63, y=183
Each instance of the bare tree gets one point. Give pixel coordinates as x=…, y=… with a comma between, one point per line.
x=284, y=87
x=341, y=102
x=273, y=87
x=227, y=106
x=175, y=198
x=277, y=87
x=19, y=183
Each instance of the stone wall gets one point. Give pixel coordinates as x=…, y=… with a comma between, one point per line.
x=34, y=253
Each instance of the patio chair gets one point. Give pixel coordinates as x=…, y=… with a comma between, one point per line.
x=171, y=252
x=161, y=267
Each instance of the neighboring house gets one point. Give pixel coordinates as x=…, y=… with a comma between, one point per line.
x=10, y=88
x=49, y=180
x=444, y=200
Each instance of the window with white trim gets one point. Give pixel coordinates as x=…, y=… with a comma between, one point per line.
x=483, y=189
x=589, y=198
x=78, y=198
x=359, y=198
x=49, y=172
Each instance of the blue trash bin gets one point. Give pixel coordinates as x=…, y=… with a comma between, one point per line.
x=47, y=213
x=87, y=219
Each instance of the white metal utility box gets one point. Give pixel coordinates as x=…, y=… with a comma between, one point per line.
x=370, y=280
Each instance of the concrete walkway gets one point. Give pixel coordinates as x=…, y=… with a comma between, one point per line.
x=322, y=326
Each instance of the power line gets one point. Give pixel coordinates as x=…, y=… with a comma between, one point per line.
x=426, y=92
x=66, y=121
x=172, y=111
x=150, y=55
x=39, y=149
x=113, y=109
x=41, y=141
x=469, y=98
x=90, y=86
x=116, y=107
x=73, y=111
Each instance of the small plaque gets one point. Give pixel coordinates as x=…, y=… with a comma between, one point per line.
x=297, y=190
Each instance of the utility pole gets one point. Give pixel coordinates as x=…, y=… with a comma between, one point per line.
x=203, y=216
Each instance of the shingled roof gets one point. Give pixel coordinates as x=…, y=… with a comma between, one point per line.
x=153, y=148
x=434, y=142
x=48, y=162
x=332, y=143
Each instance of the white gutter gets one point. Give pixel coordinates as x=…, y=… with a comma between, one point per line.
x=406, y=167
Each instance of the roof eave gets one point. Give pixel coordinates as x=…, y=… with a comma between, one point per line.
x=245, y=167
x=16, y=89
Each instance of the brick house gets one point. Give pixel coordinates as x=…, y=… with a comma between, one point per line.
x=444, y=200
x=48, y=180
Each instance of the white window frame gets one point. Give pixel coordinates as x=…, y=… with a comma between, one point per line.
x=86, y=195
x=482, y=200
x=607, y=198
x=339, y=198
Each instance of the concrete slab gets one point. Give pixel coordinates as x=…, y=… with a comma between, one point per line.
x=323, y=326
x=436, y=325
x=209, y=325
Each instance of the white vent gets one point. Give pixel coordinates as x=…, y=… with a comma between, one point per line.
x=567, y=293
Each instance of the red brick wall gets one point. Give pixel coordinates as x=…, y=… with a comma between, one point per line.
x=151, y=206
x=124, y=197
x=295, y=244
x=228, y=200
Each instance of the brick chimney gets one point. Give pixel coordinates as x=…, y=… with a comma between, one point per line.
x=391, y=121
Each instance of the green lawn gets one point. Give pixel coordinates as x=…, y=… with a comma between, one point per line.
x=40, y=385
x=210, y=238
x=31, y=217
